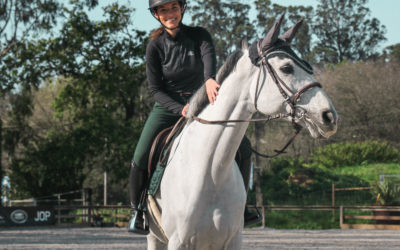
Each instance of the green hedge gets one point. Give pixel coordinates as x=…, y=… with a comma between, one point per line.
x=347, y=154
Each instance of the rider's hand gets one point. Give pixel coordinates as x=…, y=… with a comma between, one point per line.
x=212, y=90
x=184, y=110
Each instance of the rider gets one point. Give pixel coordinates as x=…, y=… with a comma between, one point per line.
x=179, y=59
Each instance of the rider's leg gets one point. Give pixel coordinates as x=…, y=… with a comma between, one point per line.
x=244, y=162
x=159, y=119
x=137, y=180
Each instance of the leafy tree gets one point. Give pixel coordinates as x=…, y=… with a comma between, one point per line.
x=104, y=64
x=267, y=14
x=18, y=19
x=227, y=22
x=21, y=22
x=393, y=52
x=345, y=31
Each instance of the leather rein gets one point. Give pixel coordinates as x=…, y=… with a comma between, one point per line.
x=290, y=100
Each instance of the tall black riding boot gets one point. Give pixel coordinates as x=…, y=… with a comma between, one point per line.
x=137, y=180
x=250, y=218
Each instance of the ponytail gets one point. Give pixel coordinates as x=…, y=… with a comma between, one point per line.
x=156, y=33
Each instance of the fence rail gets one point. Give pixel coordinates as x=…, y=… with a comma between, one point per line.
x=119, y=214
x=385, y=217
x=92, y=215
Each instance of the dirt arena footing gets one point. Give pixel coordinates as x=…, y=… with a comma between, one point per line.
x=253, y=239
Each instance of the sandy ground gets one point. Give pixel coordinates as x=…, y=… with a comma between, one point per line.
x=253, y=239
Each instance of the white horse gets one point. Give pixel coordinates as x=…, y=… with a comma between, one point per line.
x=202, y=195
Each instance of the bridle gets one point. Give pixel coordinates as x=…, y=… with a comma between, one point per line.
x=291, y=99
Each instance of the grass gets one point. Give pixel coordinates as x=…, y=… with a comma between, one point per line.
x=301, y=219
x=279, y=189
x=370, y=173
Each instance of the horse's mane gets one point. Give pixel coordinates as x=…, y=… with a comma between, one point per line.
x=200, y=99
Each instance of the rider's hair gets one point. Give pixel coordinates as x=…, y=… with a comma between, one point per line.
x=156, y=33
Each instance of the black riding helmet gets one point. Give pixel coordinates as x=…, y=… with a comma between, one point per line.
x=155, y=3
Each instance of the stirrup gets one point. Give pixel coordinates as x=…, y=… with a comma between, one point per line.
x=139, y=223
x=255, y=219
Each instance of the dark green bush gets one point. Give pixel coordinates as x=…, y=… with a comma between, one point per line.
x=347, y=154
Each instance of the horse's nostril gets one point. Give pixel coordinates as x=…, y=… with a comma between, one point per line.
x=328, y=117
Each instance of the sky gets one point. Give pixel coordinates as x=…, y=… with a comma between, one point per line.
x=386, y=11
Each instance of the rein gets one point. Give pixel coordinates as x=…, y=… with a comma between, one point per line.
x=290, y=100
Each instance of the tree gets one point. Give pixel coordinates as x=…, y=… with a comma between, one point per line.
x=104, y=64
x=365, y=97
x=22, y=21
x=19, y=20
x=345, y=31
x=267, y=15
x=227, y=22
x=393, y=52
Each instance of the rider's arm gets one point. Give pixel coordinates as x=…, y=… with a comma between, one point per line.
x=208, y=56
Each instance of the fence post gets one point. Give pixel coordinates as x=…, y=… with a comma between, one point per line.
x=88, y=202
x=83, y=204
x=58, y=212
x=341, y=216
x=263, y=218
x=333, y=199
x=105, y=188
x=259, y=198
x=89, y=214
x=116, y=216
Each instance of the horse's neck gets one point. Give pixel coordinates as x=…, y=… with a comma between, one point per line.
x=223, y=140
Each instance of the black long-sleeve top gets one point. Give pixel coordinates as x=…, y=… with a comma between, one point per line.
x=179, y=64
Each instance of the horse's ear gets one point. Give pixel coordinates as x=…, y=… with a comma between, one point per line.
x=273, y=33
x=289, y=35
x=245, y=44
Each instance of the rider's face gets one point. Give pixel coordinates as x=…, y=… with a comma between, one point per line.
x=169, y=14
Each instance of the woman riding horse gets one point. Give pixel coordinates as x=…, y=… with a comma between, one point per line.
x=179, y=60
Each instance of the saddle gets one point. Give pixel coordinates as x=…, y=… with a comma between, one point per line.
x=159, y=153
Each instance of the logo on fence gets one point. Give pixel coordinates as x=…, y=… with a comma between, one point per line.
x=19, y=216
x=42, y=216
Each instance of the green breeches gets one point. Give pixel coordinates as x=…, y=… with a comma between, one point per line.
x=159, y=119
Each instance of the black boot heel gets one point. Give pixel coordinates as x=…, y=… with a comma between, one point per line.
x=251, y=218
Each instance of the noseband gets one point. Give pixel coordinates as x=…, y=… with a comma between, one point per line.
x=291, y=99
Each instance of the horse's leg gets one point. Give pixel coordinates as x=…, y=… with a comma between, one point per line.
x=154, y=244
x=236, y=242
x=174, y=243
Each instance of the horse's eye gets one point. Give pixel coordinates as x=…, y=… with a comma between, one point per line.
x=287, y=69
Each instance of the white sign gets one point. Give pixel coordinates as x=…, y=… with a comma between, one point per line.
x=42, y=216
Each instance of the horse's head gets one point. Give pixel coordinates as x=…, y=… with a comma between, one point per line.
x=285, y=84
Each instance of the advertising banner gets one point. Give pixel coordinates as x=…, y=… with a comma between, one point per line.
x=27, y=216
